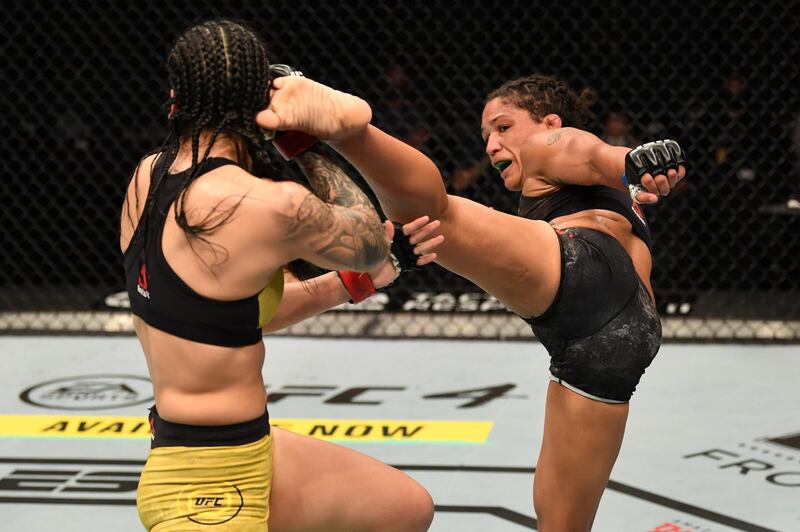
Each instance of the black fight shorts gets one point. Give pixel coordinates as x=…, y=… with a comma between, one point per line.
x=602, y=330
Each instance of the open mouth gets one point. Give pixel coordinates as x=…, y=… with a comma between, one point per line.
x=502, y=165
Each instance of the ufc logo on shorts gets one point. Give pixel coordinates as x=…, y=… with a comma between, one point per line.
x=208, y=501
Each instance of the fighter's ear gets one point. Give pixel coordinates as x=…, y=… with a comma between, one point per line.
x=552, y=121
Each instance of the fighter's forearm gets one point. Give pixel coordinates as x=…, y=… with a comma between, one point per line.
x=304, y=300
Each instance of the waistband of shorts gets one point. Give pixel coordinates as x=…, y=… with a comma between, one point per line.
x=169, y=434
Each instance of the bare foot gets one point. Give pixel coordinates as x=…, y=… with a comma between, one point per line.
x=298, y=103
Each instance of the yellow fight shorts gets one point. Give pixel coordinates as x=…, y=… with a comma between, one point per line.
x=210, y=478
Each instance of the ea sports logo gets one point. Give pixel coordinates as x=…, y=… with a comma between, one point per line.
x=90, y=392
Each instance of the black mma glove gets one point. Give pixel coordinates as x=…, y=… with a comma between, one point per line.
x=652, y=158
x=279, y=70
x=289, y=144
x=403, y=249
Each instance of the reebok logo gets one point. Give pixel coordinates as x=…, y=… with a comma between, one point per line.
x=141, y=286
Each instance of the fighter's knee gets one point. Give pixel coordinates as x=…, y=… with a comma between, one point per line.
x=419, y=507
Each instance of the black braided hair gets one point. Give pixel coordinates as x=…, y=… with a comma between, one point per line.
x=219, y=74
x=543, y=95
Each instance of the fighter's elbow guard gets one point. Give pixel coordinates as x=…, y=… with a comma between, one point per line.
x=289, y=144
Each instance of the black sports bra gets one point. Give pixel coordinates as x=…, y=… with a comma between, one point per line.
x=163, y=300
x=575, y=198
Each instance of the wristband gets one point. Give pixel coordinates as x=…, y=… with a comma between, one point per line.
x=625, y=179
x=358, y=285
x=290, y=144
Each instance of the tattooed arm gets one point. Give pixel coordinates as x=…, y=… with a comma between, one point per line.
x=569, y=156
x=331, y=184
x=337, y=227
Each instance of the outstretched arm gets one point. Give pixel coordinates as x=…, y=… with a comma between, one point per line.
x=303, y=300
x=569, y=156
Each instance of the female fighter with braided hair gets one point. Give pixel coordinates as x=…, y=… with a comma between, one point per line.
x=575, y=263
x=204, y=244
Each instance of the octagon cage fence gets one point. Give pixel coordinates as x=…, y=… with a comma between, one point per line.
x=85, y=92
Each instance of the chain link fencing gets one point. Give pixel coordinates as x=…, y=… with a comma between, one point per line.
x=85, y=96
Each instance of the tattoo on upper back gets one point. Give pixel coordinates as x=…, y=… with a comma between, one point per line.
x=353, y=236
x=553, y=138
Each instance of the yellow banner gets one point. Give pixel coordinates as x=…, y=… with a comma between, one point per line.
x=371, y=430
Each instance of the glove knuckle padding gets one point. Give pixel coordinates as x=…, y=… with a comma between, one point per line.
x=661, y=157
x=653, y=158
x=676, y=152
x=279, y=70
x=636, y=164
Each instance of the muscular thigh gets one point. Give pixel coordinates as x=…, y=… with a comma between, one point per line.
x=515, y=259
x=319, y=486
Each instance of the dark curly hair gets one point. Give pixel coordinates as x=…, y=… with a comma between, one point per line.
x=542, y=95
